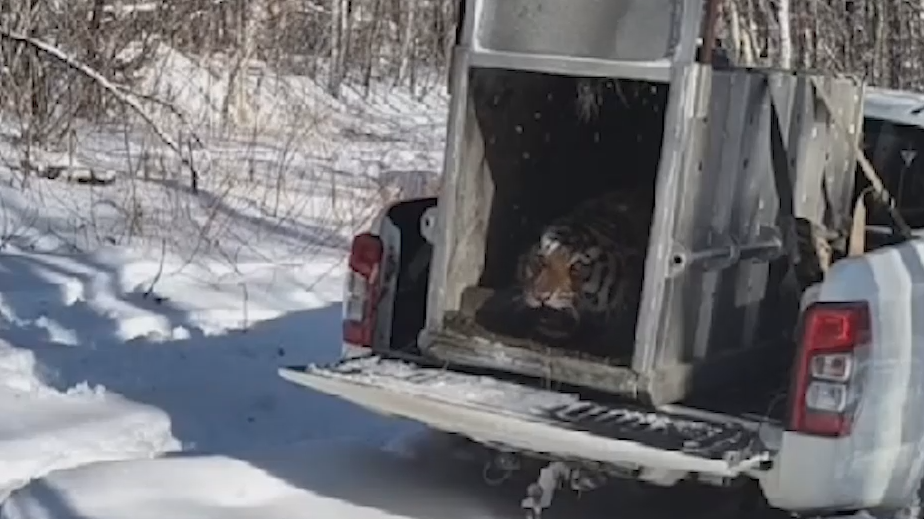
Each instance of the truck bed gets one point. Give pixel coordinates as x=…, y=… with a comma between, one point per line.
x=545, y=423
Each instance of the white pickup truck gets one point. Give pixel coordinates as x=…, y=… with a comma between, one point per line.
x=775, y=348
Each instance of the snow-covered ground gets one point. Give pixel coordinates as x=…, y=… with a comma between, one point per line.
x=326, y=479
x=91, y=368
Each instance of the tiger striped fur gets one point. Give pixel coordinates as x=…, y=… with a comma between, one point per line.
x=588, y=264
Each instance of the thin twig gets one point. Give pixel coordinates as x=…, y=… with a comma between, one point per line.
x=160, y=269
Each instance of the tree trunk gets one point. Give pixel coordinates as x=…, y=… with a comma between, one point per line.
x=407, y=40
x=337, y=40
x=785, y=21
x=236, y=109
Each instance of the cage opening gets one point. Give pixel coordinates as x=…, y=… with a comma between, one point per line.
x=552, y=143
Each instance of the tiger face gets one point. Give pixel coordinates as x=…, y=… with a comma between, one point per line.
x=557, y=275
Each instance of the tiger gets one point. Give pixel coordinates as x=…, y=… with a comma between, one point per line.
x=587, y=264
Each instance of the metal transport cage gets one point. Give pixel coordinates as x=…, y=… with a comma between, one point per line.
x=710, y=308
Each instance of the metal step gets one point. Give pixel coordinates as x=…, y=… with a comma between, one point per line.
x=549, y=423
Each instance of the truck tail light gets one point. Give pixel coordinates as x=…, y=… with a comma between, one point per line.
x=362, y=287
x=827, y=379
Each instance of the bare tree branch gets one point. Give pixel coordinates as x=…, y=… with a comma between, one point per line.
x=119, y=93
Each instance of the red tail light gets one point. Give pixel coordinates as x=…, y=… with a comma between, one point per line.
x=827, y=375
x=362, y=287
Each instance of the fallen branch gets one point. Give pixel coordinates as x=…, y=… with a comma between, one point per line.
x=117, y=91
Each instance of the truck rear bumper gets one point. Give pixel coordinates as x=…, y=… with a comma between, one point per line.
x=546, y=423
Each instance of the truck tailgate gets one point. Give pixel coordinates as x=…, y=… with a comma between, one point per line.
x=545, y=422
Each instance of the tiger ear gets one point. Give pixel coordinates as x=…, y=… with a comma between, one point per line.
x=547, y=244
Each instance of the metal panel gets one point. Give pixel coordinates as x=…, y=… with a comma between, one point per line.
x=638, y=39
x=626, y=30
x=723, y=200
x=560, y=426
x=466, y=183
x=655, y=71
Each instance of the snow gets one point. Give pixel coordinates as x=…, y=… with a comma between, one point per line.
x=143, y=322
x=101, y=372
x=41, y=433
x=270, y=483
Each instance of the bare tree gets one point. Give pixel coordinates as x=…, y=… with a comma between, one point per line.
x=407, y=41
x=879, y=41
x=783, y=15
x=339, y=38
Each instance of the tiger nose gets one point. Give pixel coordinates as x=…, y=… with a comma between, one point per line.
x=544, y=296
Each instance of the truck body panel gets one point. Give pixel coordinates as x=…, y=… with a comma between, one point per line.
x=881, y=462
